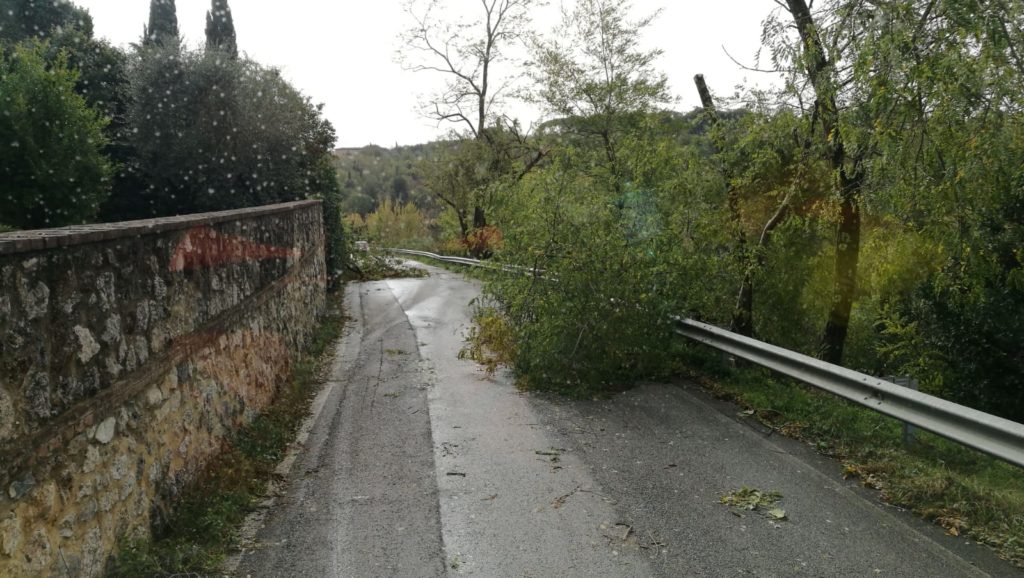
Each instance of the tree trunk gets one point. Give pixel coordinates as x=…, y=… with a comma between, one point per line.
x=463, y=226
x=848, y=230
x=705, y=98
x=613, y=161
x=479, y=218
x=845, y=285
x=743, y=312
x=478, y=243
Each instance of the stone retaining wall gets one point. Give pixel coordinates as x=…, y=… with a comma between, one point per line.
x=128, y=353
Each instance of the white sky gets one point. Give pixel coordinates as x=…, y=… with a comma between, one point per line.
x=341, y=52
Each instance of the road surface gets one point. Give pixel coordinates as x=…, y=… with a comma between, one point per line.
x=416, y=464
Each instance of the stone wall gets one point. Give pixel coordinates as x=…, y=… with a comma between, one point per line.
x=128, y=353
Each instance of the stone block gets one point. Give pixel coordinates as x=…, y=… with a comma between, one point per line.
x=121, y=466
x=19, y=488
x=92, y=455
x=154, y=397
x=106, y=430
x=7, y=415
x=10, y=535
x=88, y=347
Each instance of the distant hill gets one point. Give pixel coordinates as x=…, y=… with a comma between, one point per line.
x=372, y=173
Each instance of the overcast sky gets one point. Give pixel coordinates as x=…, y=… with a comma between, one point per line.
x=342, y=53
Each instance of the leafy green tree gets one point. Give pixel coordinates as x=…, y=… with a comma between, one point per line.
x=101, y=67
x=68, y=29
x=602, y=324
x=592, y=75
x=220, y=29
x=598, y=213
x=358, y=204
x=211, y=133
x=469, y=174
x=23, y=19
x=158, y=119
x=453, y=177
x=393, y=224
x=947, y=167
x=400, y=189
x=902, y=85
x=102, y=71
x=51, y=160
x=849, y=168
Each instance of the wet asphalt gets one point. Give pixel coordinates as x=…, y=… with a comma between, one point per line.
x=417, y=464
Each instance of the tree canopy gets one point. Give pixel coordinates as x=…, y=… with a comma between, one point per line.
x=51, y=162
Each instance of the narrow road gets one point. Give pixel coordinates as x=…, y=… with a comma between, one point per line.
x=417, y=465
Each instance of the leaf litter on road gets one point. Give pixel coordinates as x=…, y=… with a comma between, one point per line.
x=755, y=500
x=550, y=452
x=560, y=500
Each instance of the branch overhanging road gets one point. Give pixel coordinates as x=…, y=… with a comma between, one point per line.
x=415, y=464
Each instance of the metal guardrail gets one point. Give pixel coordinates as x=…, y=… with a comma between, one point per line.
x=984, y=432
x=987, y=433
x=467, y=261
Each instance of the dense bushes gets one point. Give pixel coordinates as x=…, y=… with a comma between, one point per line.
x=392, y=225
x=210, y=132
x=51, y=164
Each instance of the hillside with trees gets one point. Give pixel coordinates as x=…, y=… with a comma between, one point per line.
x=371, y=174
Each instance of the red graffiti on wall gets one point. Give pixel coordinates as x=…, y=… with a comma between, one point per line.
x=204, y=247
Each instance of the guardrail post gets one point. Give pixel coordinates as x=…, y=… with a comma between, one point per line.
x=909, y=436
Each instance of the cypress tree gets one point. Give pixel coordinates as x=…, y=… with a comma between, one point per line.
x=163, y=24
x=220, y=28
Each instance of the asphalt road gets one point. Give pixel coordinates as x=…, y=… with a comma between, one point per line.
x=416, y=464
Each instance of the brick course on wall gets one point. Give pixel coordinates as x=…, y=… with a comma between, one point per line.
x=128, y=353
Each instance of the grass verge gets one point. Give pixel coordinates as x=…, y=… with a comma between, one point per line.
x=964, y=491
x=203, y=527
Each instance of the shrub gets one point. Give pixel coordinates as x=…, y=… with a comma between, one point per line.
x=51, y=162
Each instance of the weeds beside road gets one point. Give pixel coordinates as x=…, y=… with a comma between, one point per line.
x=203, y=527
x=964, y=491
